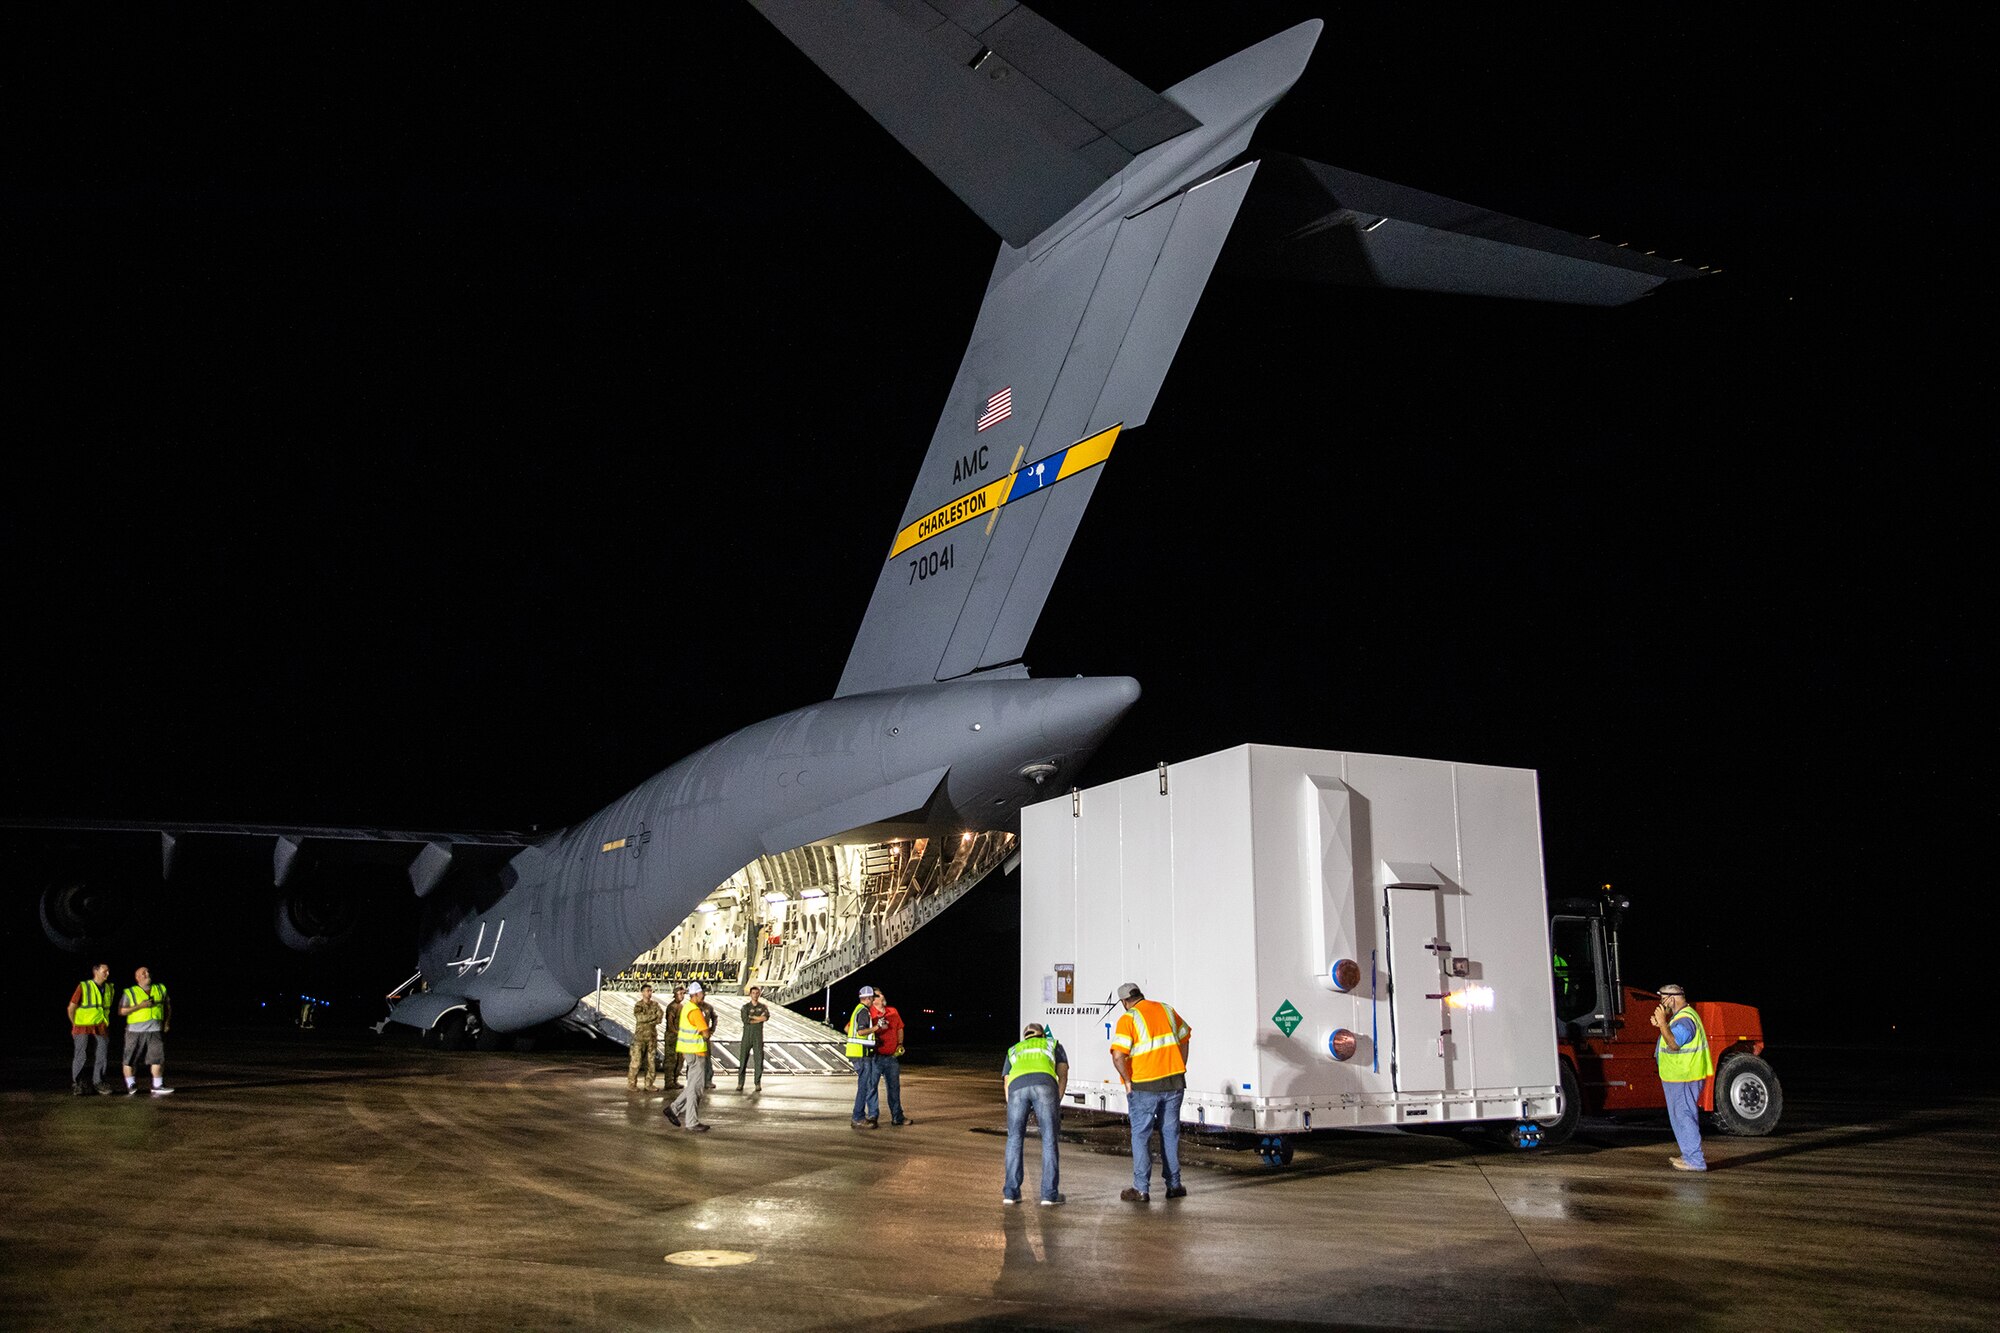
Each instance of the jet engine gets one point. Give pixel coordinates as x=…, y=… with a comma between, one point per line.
x=79, y=914
x=314, y=921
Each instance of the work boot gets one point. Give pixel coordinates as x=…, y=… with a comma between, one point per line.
x=1134, y=1196
x=699, y=1129
x=76, y=1089
x=1176, y=1191
x=1683, y=1164
x=904, y=1121
x=104, y=1089
x=864, y=1124
x=874, y=1122
x=672, y=1119
x=1057, y=1198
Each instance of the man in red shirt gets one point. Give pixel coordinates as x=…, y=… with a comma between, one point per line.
x=90, y=1021
x=888, y=1057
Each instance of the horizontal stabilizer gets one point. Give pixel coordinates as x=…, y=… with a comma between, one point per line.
x=1314, y=221
x=1020, y=120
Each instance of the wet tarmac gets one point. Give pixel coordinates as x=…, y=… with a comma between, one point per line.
x=335, y=1182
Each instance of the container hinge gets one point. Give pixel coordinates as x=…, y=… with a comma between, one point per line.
x=1163, y=777
x=1075, y=804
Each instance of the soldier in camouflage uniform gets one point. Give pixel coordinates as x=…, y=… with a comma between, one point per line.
x=646, y=1016
x=673, y=1065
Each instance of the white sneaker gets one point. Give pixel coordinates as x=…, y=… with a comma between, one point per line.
x=162, y=1092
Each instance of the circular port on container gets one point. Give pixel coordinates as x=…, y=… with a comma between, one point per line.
x=1341, y=1044
x=1346, y=974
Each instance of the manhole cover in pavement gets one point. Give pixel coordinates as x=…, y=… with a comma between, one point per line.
x=711, y=1258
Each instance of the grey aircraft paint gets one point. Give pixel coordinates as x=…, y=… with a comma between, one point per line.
x=1113, y=203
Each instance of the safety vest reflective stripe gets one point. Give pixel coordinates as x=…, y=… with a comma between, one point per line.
x=693, y=1036
x=95, y=1006
x=139, y=995
x=1031, y=1055
x=1692, y=1062
x=1155, y=1046
x=859, y=1043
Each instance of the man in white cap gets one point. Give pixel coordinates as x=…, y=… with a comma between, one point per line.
x=862, y=1025
x=691, y=1043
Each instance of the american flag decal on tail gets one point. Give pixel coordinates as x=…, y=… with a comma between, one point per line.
x=998, y=408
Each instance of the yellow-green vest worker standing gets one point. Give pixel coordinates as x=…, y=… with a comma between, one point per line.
x=1685, y=1064
x=148, y=1014
x=90, y=1032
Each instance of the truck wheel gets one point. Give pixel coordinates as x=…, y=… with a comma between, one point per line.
x=1556, y=1129
x=1748, y=1099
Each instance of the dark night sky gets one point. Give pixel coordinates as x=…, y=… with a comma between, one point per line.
x=451, y=417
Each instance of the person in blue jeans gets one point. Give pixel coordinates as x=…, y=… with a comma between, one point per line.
x=1035, y=1075
x=1149, y=1049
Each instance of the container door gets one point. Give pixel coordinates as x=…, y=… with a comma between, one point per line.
x=1420, y=1022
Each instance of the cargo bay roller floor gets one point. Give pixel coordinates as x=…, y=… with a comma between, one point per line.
x=338, y=1183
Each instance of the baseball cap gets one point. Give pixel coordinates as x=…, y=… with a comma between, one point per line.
x=1127, y=989
x=1032, y=1030
x=694, y=988
x=867, y=992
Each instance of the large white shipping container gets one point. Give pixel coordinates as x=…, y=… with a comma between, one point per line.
x=1355, y=939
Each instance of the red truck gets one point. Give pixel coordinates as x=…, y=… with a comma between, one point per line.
x=1605, y=1036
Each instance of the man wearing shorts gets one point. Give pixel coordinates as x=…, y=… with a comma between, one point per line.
x=147, y=1013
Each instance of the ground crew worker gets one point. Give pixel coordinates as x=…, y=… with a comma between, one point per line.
x=1149, y=1049
x=1035, y=1075
x=90, y=1028
x=861, y=1030
x=1685, y=1064
x=755, y=1014
x=888, y=1059
x=148, y=1014
x=646, y=1016
x=691, y=1042
x=674, y=1007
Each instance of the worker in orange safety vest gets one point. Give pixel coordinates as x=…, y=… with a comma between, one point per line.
x=1150, y=1049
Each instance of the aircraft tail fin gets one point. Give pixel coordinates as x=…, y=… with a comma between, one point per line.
x=1072, y=344
x=1018, y=118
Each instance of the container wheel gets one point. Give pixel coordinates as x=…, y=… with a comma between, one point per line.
x=1748, y=1097
x=1556, y=1129
x=1274, y=1150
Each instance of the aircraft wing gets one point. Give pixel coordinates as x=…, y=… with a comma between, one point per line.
x=430, y=854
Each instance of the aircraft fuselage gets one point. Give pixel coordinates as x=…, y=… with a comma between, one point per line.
x=598, y=894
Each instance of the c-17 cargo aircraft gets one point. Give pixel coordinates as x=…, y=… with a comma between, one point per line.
x=795, y=850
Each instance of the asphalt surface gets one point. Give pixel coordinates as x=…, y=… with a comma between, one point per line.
x=317, y=1181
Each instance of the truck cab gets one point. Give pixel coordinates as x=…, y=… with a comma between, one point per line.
x=1605, y=1038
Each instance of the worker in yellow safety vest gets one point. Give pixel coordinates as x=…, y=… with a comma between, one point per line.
x=1150, y=1050
x=862, y=1026
x=148, y=1014
x=691, y=1044
x=1685, y=1064
x=1034, y=1076
x=90, y=1027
